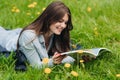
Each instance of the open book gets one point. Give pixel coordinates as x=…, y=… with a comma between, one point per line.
x=94, y=52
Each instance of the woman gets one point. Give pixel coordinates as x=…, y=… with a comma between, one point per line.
x=48, y=36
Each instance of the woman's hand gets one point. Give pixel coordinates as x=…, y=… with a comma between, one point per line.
x=57, y=58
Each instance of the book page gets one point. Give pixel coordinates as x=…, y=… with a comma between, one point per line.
x=91, y=52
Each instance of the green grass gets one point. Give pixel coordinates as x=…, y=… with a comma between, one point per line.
x=97, y=28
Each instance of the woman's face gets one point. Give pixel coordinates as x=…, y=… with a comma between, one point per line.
x=57, y=28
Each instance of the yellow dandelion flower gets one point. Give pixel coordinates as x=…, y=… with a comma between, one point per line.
x=43, y=9
x=38, y=13
x=81, y=61
x=80, y=51
x=28, y=14
x=13, y=10
x=47, y=70
x=117, y=75
x=74, y=73
x=31, y=6
x=89, y=9
x=45, y=60
x=95, y=29
x=17, y=10
x=73, y=46
x=35, y=3
x=67, y=65
x=96, y=33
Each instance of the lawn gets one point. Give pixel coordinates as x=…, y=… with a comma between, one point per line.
x=96, y=24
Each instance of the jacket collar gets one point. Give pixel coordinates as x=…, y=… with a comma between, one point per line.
x=41, y=39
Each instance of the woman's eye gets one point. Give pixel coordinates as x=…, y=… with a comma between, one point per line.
x=60, y=21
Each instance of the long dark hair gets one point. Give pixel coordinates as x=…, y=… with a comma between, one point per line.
x=53, y=13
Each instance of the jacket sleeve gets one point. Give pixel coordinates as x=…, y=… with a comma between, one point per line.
x=28, y=42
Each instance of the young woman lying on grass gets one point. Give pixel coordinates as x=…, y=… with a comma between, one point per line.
x=46, y=37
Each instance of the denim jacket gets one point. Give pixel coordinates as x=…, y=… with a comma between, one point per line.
x=34, y=49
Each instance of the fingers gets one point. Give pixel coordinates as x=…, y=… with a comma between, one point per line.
x=57, y=58
x=57, y=61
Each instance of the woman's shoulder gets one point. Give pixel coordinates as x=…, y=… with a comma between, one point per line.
x=28, y=32
x=28, y=35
